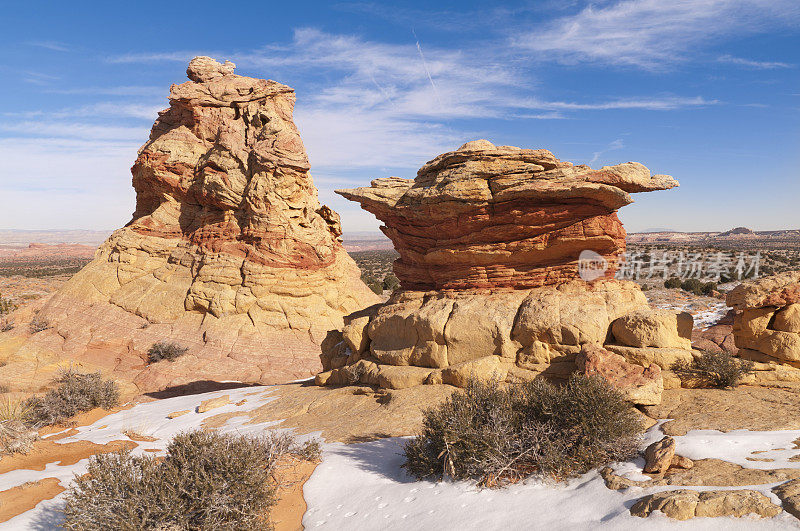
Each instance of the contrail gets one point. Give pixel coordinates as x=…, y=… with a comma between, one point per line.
x=427, y=71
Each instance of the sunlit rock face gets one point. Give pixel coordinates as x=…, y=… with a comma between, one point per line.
x=491, y=242
x=486, y=216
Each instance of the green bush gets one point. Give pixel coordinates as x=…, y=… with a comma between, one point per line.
x=74, y=393
x=165, y=350
x=713, y=369
x=498, y=434
x=207, y=481
x=672, y=283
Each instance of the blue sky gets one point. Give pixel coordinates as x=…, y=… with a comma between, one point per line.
x=705, y=90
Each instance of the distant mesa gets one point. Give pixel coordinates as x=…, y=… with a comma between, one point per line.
x=229, y=251
x=738, y=231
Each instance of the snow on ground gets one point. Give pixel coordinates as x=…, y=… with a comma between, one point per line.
x=704, y=315
x=361, y=486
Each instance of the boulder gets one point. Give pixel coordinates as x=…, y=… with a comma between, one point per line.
x=658, y=456
x=639, y=385
x=654, y=328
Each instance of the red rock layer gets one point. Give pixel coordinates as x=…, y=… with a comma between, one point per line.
x=502, y=217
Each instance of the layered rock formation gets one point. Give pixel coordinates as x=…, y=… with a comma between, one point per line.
x=766, y=327
x=490, y=242
x=488, y=216
x=229, y=251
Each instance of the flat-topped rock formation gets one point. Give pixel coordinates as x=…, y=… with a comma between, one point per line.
x=490, y=240
x=229, y=251
x=488, y=216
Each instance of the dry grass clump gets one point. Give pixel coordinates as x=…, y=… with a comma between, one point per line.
x=207, y=481
x=713, y=369
x=74, y=393
x=500, y=434
x=165, y=350
x=15, y=434
x=6, y=324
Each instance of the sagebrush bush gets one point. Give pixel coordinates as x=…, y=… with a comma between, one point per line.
x=713, y=369
x=74, y=393
x=497, y=434
x=207, y=481
x=6, y=324
x=165, y=350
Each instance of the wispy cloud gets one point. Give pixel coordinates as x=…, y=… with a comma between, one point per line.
x=392, y=105
x=749, y=63
x=101, y=109
x=130, y=90
x=667, y=103
x=613, y=146
x=75, y=131
x=651, y=33
x=49, y=45
x=38, y=78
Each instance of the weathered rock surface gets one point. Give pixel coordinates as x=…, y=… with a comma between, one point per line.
x=229, y=250
x=744, y=407
x=767, y=323
x=686, y=504
x=639, y=385
x=513, y=335
x=654, y=328
x=487, y=216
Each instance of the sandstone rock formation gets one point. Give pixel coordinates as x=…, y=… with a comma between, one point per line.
x=491, y=240
x=686, y=504
x=488, y=216
x=229, y=251
x=767, y=323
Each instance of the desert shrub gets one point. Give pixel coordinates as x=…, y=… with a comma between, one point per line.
x=38, y=324
x=708, y=287
x=207, y=481
x=165, y=350
x=672, y=283
x=713, y=369
x=391, y=282
x=74, y=393
x=6, y=324
x=496, y=434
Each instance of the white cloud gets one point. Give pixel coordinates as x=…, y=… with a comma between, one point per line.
x=651, y=33
x=761, y=65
